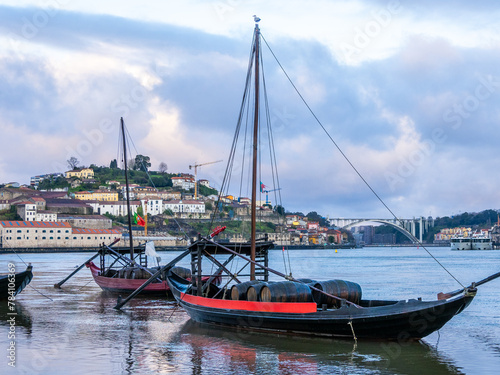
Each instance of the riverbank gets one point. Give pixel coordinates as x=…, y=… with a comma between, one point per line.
x=53, y=250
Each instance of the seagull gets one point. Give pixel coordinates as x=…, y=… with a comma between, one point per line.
x=255, y=18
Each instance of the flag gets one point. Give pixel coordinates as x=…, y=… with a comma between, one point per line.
x=139, y=220
x=262, y=187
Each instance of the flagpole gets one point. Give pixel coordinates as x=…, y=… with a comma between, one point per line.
x=146, y=218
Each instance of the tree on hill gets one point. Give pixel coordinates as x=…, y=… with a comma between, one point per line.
x=113, y=164
x=314, y=216
x=142, y=163
x=163, y=167
x=72, y=163
x=280, y=210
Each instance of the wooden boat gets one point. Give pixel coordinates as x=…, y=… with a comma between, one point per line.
x=124, y=270
x=12, y=284
x=128, y=279
x=120, y=273
x=332, y=308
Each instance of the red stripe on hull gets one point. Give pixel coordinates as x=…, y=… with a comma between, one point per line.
x=278, y=307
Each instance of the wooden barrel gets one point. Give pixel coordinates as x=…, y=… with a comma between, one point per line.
x=239, y=291
x=339, y=288
x=286, y=291
x=185, y=273
x=253, y=291
x=308, y=281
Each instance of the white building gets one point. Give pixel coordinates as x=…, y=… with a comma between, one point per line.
x=117, y=208
x=30, y=212
x=205, y=183
x=154, y=206
x=180, y=206
x=185, y=183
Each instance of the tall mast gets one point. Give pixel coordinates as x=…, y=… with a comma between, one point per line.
x=128, y=194
x=254, y=165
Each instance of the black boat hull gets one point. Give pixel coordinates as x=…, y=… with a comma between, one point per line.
x=403, y=320
x=12, y=286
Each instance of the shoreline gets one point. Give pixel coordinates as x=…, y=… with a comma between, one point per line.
x=55, y=250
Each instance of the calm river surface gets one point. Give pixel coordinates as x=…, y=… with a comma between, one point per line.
x=77, y=331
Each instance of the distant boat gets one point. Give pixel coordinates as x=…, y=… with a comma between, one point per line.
x=482, y=243
x=461, y=243
x=12, y=284
x=471, y=243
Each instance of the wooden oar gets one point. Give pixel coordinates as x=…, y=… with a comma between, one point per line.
x=165, y=268
x=471, y=286
x=58, y=285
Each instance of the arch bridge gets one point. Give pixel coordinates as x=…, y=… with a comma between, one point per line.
x=406, y=226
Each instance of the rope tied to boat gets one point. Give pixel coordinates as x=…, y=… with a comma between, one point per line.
x=352, y=329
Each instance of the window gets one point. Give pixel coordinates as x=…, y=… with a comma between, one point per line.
x=51, y=238
x=18, y=238
x=51, y=231
x=58, y=238
x=19, y=231
x=43, y=238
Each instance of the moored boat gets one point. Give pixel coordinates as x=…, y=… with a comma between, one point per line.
x=372, y=319
x=482, y=243
x=326, y=308
x=461, y=243
x=12, y=284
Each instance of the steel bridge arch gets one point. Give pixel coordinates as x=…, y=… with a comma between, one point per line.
x=386, y=222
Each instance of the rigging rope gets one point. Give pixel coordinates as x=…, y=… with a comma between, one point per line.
x=349, y=161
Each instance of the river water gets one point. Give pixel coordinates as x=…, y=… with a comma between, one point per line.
x=75, y=330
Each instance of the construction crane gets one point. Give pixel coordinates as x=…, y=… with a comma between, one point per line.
x=195, y=166
x=267, y=195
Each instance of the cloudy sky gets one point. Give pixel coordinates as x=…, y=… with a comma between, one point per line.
x=410, y=91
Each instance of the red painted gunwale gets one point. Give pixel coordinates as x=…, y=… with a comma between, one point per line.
x=276, y=307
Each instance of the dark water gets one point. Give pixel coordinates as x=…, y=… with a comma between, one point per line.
x=78, y=331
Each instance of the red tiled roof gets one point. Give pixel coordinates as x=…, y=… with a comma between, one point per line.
x=95, y=231
x=34, y=224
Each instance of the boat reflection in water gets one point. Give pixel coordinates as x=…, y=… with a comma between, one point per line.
x=243, y=352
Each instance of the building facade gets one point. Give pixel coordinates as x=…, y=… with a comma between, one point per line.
x=80, y=173
x=118, y=208
x=42, y=234
x=185, y=206
x=97, y=195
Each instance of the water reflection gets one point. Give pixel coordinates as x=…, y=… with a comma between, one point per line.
x=22, y=315
x=79, y=332
x=240, y=352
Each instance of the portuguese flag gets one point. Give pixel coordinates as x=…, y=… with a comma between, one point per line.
x=139, y=220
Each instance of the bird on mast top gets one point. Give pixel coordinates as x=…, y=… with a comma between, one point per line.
x=256, y=19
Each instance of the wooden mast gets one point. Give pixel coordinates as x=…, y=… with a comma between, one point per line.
x=128, y=195
x=255, y=154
